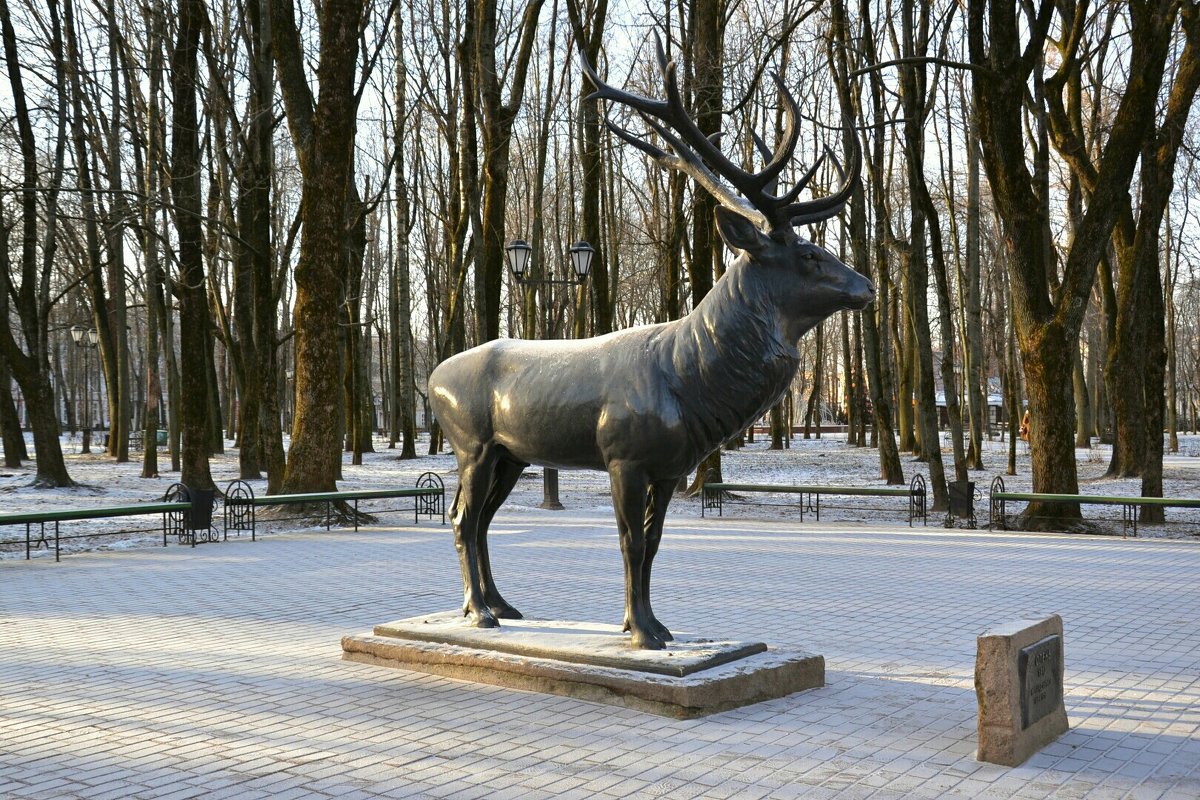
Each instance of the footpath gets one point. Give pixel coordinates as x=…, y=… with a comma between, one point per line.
x=215, y=672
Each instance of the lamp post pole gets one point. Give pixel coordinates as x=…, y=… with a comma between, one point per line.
x=517, y=252
x=87, y=338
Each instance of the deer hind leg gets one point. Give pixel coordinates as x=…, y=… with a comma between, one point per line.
x=629, y=493
x=505, y=478
x=656, y=513
x=474, y=482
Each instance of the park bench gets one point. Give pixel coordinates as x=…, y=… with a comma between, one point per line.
x=1129, y=505
x=172, y=511
x=715, y=495
x=428, y=496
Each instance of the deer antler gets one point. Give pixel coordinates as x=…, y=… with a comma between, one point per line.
x=692, y=152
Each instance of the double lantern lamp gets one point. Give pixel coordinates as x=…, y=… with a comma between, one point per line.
x=518, y=251
x=84, y=337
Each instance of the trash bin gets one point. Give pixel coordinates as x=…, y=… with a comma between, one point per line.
x=962, y=502
x=199, y=516
x=194, y=525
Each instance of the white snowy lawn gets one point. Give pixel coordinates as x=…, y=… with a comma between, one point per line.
x=825, y=461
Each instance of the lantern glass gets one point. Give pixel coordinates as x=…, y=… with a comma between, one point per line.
x=77, y=332
x=581, y=259
x=517, y=253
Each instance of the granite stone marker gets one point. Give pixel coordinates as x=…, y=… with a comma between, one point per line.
x=1019, y=685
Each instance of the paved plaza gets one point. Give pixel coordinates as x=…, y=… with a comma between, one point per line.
x=216, y=672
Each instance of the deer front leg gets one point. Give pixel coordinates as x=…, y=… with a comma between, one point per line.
x=474, y=481
x=629, y=490
x=507, y=474
x=656, y=514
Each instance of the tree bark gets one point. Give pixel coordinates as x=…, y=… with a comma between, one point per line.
x=404, y=406
x=192, y=290
x=590, y=35
x=324, y=137
x=973, y=368
x=871, y=264
x=122, y=414
x=30, y=363
x=497, y=121
x=707, y=21
x=924, y=222
x=10, y=422
x=1048, y=325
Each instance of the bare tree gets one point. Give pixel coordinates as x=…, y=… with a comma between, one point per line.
x=323, y=133
x=1048, y=309
x=27, y=282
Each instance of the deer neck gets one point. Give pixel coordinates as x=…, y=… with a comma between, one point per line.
x=731, y=359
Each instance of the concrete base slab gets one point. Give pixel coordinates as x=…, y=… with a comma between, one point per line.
x=692, y=677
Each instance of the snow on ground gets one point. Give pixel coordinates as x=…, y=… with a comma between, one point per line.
x=825, y=461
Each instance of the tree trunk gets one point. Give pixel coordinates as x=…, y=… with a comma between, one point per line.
x=192, y=290
x=778, y=426
x=496, y=136
x=10, y=422
x=404, y=403
x=872, y=263
x=1048, y=319
x=707, y=81
x=122, y=414
x=1083, y=405
x=1171, y=272
x=324, y=138
x=253, y=292
x=92, y=268
x=812, y=411
x=973, y=368
x=149, y=171
x=30, y=366
x=924, y=222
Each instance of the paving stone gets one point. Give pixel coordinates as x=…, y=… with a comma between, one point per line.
x=181, y=672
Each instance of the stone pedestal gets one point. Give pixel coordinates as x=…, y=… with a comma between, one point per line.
x=1019, y=685
x=692, y=677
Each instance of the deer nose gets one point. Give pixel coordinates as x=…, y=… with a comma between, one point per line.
x=862, y=295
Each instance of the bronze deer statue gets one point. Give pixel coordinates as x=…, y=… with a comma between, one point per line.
x=647, y=404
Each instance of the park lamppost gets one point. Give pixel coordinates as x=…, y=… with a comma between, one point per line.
x=87, y=338
x=518, y=253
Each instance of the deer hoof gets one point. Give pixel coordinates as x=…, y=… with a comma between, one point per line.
x=644, y=640
x=482, y=619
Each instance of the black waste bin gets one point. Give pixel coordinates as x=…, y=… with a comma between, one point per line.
x=962, y=502
x=193, y=526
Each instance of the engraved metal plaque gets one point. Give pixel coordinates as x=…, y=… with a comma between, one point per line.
x=1039, y=667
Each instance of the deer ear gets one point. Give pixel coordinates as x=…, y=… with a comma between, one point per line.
x=739, y=232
